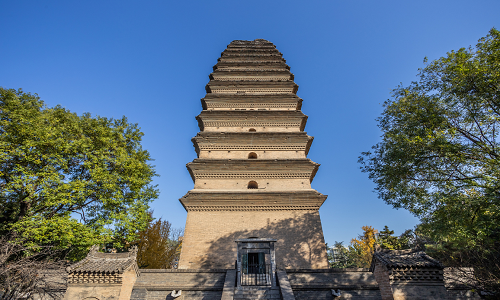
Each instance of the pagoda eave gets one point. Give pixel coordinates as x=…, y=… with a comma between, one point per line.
x=257, y=87
x=252, y=65
x=252, y=200
x=267, y=141
x=251, y=53
x=259, y=118
x=259, y=58
x=201, y=168
x=252, y=75
x=251, y=114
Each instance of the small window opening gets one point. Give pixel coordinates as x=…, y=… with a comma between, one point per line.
x=252, y=155
x=252, y=130
x=253, y=185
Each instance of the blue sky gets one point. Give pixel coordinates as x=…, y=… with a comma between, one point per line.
x=150, y=61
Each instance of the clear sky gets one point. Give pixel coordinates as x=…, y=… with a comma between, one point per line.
x=150, y=61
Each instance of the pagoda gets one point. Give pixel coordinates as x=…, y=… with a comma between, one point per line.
x=252, y=178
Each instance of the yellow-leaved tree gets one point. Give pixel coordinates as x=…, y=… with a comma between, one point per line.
x=363, y=247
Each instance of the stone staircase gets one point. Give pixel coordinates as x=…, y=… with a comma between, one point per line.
x=257, y=293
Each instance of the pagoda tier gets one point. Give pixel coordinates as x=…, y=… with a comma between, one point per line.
x=249, y=102
x=263, y=144
x=244, y=174
x=252, y=65
x=252, y=58
x=251, y=87
x=251, y=53
x=259, y=43
x=229, y=75
x=214, y=120
x=252, y=176
x=249, y=49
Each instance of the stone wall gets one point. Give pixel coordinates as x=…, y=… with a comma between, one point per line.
x=194, y=284
x=419, y=292
x=382, y=276
x=92, y=291
x=128, y=280
x=209, y=237
x=410, y=283
x=455, y=281
x=318, y=284
x=103, y=291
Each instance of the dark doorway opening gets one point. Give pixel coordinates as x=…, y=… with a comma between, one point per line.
x=255, y=271
x=255, y=263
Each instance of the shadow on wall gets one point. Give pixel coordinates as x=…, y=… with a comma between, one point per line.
x=300, y=243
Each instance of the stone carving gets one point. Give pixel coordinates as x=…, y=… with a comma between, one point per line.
x=94, y=277
x=415, y=274
x=176, y=294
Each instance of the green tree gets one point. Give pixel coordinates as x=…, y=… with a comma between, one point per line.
x=439, y=156
x=360, y=251
x=340, y=256
x=357, y=255
x=70, y=181
x=387, y=239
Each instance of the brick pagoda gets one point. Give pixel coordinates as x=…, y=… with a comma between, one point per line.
x=252, y=177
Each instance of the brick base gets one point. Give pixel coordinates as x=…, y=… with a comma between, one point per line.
x=209, y=238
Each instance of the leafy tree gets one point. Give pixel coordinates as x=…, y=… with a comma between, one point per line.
x=387, y=240
x=70, y=181
x=440, y=154
x=340, y=256
x=363, y=247
x=159, y=245
x=359, y=253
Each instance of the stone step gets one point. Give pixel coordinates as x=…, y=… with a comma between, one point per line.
x=256, y=294
x=257, y=297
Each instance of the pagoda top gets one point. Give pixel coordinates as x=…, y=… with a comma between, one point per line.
x=259, y=43
x=256, y=41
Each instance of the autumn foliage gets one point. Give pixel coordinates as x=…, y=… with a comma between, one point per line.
x=159, y=246
x=359, y=253
x=364, y=246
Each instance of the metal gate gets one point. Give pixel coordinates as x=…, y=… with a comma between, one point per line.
x=256, y=262
x=255, y=273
